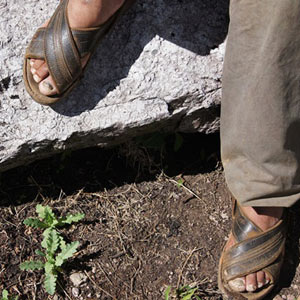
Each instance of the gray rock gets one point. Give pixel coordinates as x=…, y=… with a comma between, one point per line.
x=78, y=279
x=75, y=292
x=160, y=69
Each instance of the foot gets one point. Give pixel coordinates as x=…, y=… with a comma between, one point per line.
x=265, y=218
x=81, y=14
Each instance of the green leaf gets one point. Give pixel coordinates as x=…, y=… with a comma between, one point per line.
x=180, y=182
x=197, y=298
x=69, y=219
x=52, y=241
x=32, y=222
x=167, y=292
x=188, y=294
x=62, y=243
x=49, y=267
x=32, y=265
x=46, y=214
x=66, y=253
x=50, y=283
x=5, y=295
x=40, y=253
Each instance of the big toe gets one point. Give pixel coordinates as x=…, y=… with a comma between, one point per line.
x=47, y=87
x=238, y=284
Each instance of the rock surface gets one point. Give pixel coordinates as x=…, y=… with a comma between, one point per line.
x=159, y=69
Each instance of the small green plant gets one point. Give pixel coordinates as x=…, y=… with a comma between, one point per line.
x=57, y=251
x=183, y=293
x=6, y=297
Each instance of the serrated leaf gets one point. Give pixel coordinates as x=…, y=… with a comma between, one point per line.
x=40, y=210
x=32, y=265
x=32, y=222
x=62, y=243
x=52, y=241
x=45, y=235
x=69, y=219
x=50, y=283
x=40, y=253
x=46, y=214
x=49, y=267
x=5, y=295
x=66, y=253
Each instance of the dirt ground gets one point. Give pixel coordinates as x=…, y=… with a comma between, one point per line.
x=155, y=217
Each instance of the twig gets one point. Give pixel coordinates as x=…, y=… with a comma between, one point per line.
x=96, y=285
x=186, y=188
x=64, y=290
x=184, y=265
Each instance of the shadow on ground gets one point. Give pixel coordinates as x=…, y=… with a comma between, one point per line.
x=96, y=169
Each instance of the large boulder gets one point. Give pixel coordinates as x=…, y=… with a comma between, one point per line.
x=160, y=69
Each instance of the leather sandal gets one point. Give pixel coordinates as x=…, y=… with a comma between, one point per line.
x=62, y=48
x=255, y=250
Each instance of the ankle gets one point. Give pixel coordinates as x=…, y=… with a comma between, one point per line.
x=89, y=13
x=264, y=217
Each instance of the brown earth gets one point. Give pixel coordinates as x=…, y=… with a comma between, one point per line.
x=153, y=219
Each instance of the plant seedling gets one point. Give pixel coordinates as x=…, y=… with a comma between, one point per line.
x=182, y=293
x=6, y=297
x=53, y=259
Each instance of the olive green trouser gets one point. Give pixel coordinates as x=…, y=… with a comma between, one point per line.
x=260, y=118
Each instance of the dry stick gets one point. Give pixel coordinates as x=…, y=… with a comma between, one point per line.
x=101, y=289
x=64, y=290
x=187, y=189
x=184, y=265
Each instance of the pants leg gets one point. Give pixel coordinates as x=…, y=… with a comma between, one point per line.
x=260, y=116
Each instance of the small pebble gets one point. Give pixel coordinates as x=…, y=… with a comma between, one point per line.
x=290, y=297
x=277, y=298
x=78, y=279
x=75, y=292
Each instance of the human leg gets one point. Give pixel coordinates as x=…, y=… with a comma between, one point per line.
x=260, y=115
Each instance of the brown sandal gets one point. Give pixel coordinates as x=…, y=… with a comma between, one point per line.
x=62, y=48
x=255, y=250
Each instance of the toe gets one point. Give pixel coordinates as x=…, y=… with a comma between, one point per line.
x=42, y=71
x=260, y=277
x=251, y=283
x=238, y=284
x=36, y=63
x=47, y=87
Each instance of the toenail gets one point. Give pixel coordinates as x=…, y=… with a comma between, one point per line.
x=237, y=284
x=48, y=85
x=33, y=70
x=267, y=281
x=36, y=78
x=251, y=288
x=260, y=285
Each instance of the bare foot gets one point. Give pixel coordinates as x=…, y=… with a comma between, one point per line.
x=81, y=14
x=265, y=218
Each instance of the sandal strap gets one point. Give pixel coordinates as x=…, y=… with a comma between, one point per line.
x=61, y=52
x=35, y=48
x=243, y=227
x=255, y=253
x=62, y=47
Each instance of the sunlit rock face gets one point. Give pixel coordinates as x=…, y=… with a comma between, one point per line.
x=159, y=69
